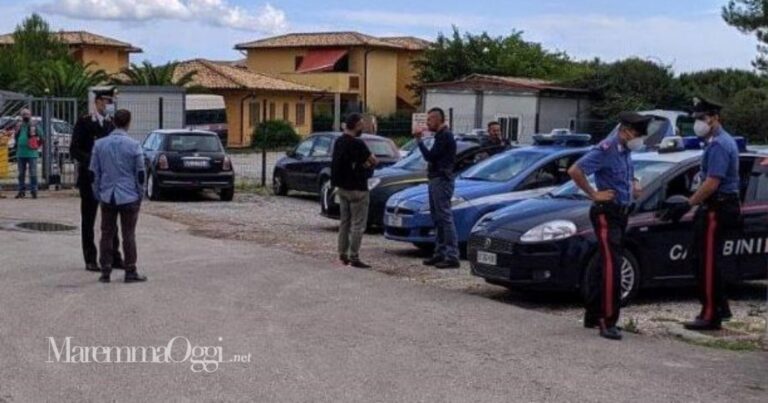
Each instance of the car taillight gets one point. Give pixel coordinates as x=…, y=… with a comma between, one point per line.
x=227, y=166
x=162, y=162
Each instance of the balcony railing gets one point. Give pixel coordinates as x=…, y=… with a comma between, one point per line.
x=327, y=81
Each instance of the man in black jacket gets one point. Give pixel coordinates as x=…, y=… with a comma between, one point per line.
x=88, y=129
x=441, y=159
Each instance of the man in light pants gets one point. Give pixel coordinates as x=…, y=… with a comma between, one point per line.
x=351, y=167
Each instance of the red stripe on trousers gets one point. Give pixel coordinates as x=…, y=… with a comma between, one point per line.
x=607, y=268
x=709, y=267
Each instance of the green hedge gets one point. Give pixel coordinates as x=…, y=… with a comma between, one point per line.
x=275, y=134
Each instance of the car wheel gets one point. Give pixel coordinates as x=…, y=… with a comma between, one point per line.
x=227, y=194
x=279, y=187
x=153, y=189
x=630, y=277
x=326, y=195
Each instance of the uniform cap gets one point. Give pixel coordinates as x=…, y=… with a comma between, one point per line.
x=702, y=107
x=636, y=121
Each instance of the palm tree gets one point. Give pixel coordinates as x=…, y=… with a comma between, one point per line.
x=148, y=74
x=62, y=78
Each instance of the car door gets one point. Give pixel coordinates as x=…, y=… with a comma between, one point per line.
x=319, y=158
x=294, y=161
x=665, y=244
x=553, y=173
x=149, y=150
x=750, y=248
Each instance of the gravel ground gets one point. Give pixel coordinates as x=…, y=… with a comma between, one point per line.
x=294, y=223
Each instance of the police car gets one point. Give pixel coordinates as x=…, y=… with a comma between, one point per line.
x=513, y=175
x=548, y=242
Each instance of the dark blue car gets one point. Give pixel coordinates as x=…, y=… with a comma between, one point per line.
x=548, y=242
x=514, y=175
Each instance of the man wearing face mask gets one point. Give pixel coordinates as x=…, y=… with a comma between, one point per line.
x=610, y=162
x=719, y=213
x=88, y=129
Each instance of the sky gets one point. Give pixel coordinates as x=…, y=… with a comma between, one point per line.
x=689, y=35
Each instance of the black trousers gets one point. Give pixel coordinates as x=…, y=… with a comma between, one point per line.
x=89, y=207
x=128, y=214
x=603, y=300
x=717, y=219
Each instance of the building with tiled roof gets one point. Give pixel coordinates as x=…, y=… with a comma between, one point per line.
x=250, y=96
x=368, y=73
x=105, y=53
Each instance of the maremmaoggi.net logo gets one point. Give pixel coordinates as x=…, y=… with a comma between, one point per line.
x=178, y=350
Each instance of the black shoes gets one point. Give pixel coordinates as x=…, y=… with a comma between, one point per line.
x=92, y=267
x=610, y=333
x=134, y=277
x=105, y=274
x=701, y=324
x=433, y=261
x=20, y=195
x=34, y=195
x=344, y=260
x=448, y=264
x=357, y=263
x=590, y=323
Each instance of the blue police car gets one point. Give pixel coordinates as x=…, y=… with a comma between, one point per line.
x=548, y=242
x=513, y=175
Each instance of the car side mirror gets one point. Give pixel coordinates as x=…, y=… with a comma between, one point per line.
x=672, y=203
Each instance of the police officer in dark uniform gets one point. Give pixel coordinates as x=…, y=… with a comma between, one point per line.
x=88, y=129
x=610, y=162
x=718, y=215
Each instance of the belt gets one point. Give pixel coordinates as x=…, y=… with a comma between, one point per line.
x=624, y=210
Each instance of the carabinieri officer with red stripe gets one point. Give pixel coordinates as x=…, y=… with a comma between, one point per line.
x=611, y=164
x=718, y=216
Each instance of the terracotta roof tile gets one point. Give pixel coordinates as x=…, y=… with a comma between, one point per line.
x=214, y=75
x=491, y=82
x=318, y=39
x=74, y=38
x=408, y=42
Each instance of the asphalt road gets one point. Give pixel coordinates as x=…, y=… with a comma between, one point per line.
x=315, y=331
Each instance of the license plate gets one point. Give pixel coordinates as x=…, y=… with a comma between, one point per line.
x=486, y=258
x=196, y=164
x=395, y=221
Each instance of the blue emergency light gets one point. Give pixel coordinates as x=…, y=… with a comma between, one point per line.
x=565, y=140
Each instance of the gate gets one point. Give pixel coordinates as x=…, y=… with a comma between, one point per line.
x=57, y=117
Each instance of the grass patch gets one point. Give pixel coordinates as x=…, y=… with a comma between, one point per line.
x=630, y=325
x=252, y=187
x=730, y=345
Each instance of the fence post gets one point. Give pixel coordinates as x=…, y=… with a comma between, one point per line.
x=450, y=118
x=264, y=156
x=47, y=140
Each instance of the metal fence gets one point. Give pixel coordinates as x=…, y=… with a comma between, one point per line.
x=56, y=118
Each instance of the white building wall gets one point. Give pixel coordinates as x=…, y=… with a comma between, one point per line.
x=462, y=102
x=515, y=104
x=557, y=113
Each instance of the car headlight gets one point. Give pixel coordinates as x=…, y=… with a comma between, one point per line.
x=550, y=231
x=373, y=182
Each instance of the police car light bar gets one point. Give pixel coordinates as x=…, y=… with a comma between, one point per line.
x=566, y=140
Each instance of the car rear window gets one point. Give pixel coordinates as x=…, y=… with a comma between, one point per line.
x=194, y=143
x=381, y=148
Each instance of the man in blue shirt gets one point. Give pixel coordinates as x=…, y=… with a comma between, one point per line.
x=441, y=159
x=719, y=213
x=612, y=167
x=117, y=165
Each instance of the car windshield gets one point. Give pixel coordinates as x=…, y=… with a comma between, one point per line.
x=380, y=148
x=415, y=161
x=645, y=171
x=194, y=143
x=503, y=167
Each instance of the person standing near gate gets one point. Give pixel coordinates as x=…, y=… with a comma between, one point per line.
x=88, y=129
x=441, y=159
x=718, y=215
x=351, y=166
x=616, y=187
x=29, y=140
x=118, y=183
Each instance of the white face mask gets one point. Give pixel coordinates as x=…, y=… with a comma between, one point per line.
x=701, y=128
x=109, y=110
x=636, y=144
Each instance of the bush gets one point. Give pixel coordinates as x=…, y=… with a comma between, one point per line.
x=275, y=134
x=396, y=125
x=745, y=115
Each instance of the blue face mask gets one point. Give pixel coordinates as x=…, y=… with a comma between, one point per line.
x=109, y=110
